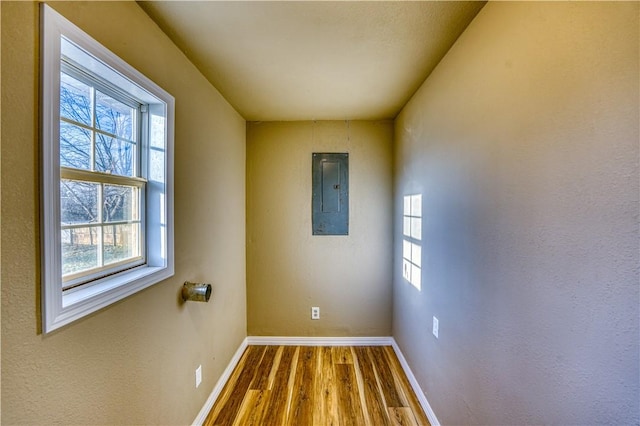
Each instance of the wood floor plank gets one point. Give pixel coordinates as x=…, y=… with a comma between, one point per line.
x=349, y=407
x=292, y=378
x=401, y=416
x=301, y=409
x=376, y=411
x=230, y=409
x=360, y=388
x=261, y=378
x=387, y=383
x=401, y=377
x=227, y=390
x=325, y=410
x=276, y=412
x=274, y=367
x=342, y=355
x=252, y=409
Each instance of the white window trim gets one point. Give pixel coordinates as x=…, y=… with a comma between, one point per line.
x=61, y=308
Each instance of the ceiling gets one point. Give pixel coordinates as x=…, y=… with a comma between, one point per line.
x=314, y=60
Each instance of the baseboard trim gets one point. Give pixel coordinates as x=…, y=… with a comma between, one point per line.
x=217, y=389
x=416, y=386
x=319, y=341
x=315, y=341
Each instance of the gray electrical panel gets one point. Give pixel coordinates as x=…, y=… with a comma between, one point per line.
x=330, y=199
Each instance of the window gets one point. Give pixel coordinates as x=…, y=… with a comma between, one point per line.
x=107, y=199
x=411, y=242
x=101, y=185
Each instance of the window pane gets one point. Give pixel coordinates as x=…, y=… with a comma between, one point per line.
x=115, y=156
x=75, y=146
x=407, y=205
x=121, y=242
x=120, y=203
x=416, y=254
x=415, y=277
x=406, y=226
x=416, y=228
x=79, y=249
x=114, y=117
x=156, y=165
x=406, y=249
x=78, y=202
x=416, y=205
x=406, y=270
x=156, y=139
x=75, y=100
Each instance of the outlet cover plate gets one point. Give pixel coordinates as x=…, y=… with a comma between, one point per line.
x=315, y=313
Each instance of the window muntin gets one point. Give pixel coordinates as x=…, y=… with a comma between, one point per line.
x=411, y=242
x=138, y=181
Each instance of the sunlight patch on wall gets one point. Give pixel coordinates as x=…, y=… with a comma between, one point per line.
x=411, y=243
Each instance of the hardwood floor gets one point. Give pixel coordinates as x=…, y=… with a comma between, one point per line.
x=317, y=385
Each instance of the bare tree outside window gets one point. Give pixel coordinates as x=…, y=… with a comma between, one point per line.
x=100, y=220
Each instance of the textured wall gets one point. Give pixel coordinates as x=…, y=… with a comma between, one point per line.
x=288, y=269
x=133, y=362
x=524, y=144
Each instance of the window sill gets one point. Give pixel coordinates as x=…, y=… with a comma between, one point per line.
x=77, y=303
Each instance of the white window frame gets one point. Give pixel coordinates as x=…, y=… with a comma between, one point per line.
x=61, y=307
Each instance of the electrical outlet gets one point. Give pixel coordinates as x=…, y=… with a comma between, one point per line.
x=435, y=327
x=198, y=375
x=315, y=313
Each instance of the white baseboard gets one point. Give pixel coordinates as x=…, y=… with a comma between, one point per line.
x=315, y=341
x=416, y=386
x=319, y=341
x=217, y=389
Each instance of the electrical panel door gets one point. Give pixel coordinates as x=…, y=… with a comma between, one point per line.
x=330, y=199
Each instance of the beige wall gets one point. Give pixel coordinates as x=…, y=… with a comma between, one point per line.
x=288, y=269
x=134, y=362
x=524, y=144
